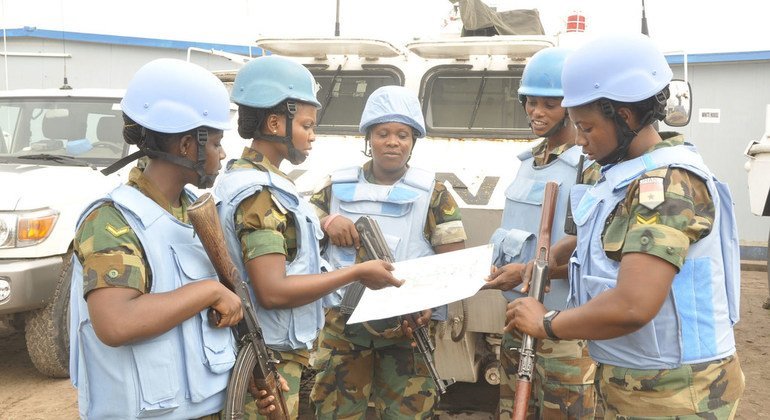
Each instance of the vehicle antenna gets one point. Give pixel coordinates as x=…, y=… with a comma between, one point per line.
x=66, y=85
x=337, y=20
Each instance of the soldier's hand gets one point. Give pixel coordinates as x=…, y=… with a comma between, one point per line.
x=526, y=315
x=526, y=276
x=506, y=277
x=228, y=306
x=412, y=322
x=376, y=274
x=342, y=232
x=264, y=402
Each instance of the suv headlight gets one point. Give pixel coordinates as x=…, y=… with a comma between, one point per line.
x=27, y=228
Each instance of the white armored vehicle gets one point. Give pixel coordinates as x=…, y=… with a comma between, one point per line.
x=476, y=128
x=758, y=168
x=53, y=143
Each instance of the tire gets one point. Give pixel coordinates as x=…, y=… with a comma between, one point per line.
x=47, y=329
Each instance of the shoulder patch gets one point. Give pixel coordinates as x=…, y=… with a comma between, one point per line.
x=651, y=192
x=117, y=232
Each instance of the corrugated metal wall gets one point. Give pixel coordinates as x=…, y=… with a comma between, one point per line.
x=740, y=91
x=92, y=65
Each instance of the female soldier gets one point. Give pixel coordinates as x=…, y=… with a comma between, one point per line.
x=655, y=276
x=563, y=385
x=418, y=217
x=273, y=231
x=139, y=340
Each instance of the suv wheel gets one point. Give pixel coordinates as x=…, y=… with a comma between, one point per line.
x=47, y=330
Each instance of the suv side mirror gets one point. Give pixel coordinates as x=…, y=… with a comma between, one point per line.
x=679, y=104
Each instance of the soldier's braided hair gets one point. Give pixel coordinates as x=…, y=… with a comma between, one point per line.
x=251, y=120
x=648, y=110
x=144, y=138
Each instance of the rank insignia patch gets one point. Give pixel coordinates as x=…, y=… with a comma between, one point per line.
x=117, y=232
x=651, y=192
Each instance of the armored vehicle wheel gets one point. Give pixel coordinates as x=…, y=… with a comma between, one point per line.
x=47, y=329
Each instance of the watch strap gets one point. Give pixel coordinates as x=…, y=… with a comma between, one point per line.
x=547, y=325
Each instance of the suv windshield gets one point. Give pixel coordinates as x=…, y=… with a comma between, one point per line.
x=52, y=129
x=343, y=95
x=466, y=103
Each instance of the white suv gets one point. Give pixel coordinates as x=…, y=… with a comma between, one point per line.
x=53, y=144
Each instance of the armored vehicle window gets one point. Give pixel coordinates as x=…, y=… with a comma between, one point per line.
x=343, y=96
x=87, y=129
x=465, y=103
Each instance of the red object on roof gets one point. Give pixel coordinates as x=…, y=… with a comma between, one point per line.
x=576, y=22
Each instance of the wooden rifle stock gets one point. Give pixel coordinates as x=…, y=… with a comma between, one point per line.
x=205, y=221
x=536, y=289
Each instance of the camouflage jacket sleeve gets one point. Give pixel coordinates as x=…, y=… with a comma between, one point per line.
x=321, y=198
x=110, y=252
x=444, y=224
x=264, y=227
x=592, y=174
x=682, y=213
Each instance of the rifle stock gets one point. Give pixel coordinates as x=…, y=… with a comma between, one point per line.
x=205, y=221
x=377, y=249
x=536, y=289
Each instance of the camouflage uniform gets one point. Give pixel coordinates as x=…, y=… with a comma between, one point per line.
x=562, y=386
x=704, y=390
x=110, y=251
x=265, y=228
x=374, y=359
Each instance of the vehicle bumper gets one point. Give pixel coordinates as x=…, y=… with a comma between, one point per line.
x=32, y=283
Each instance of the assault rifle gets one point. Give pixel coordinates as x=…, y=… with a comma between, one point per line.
x=377, y=249
x=536, y=289
x=253, y=356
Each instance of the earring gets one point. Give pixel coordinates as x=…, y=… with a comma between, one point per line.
x=275, y=131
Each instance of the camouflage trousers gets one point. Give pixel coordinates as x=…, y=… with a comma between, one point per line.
x=291, y=366
x=563, y=384
x=708, y=390
x=395, y=378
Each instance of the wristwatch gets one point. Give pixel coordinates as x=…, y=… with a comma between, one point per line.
x=547, y=318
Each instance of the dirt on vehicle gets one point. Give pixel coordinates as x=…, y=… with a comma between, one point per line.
x=27, y=394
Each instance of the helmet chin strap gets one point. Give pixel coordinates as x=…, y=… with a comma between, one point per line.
x=294, y=156
x=556, y=127
x=624, y=136
x=204, y=180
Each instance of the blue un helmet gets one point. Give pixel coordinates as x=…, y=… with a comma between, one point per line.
x=542, y=75
x=172, y=96
x=621, y=68
x=392, y=104
x=542, y=78
x=266, y=82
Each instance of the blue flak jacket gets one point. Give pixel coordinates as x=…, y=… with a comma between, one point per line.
x=695, y=323
x=180, y=374
x=284, y=329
